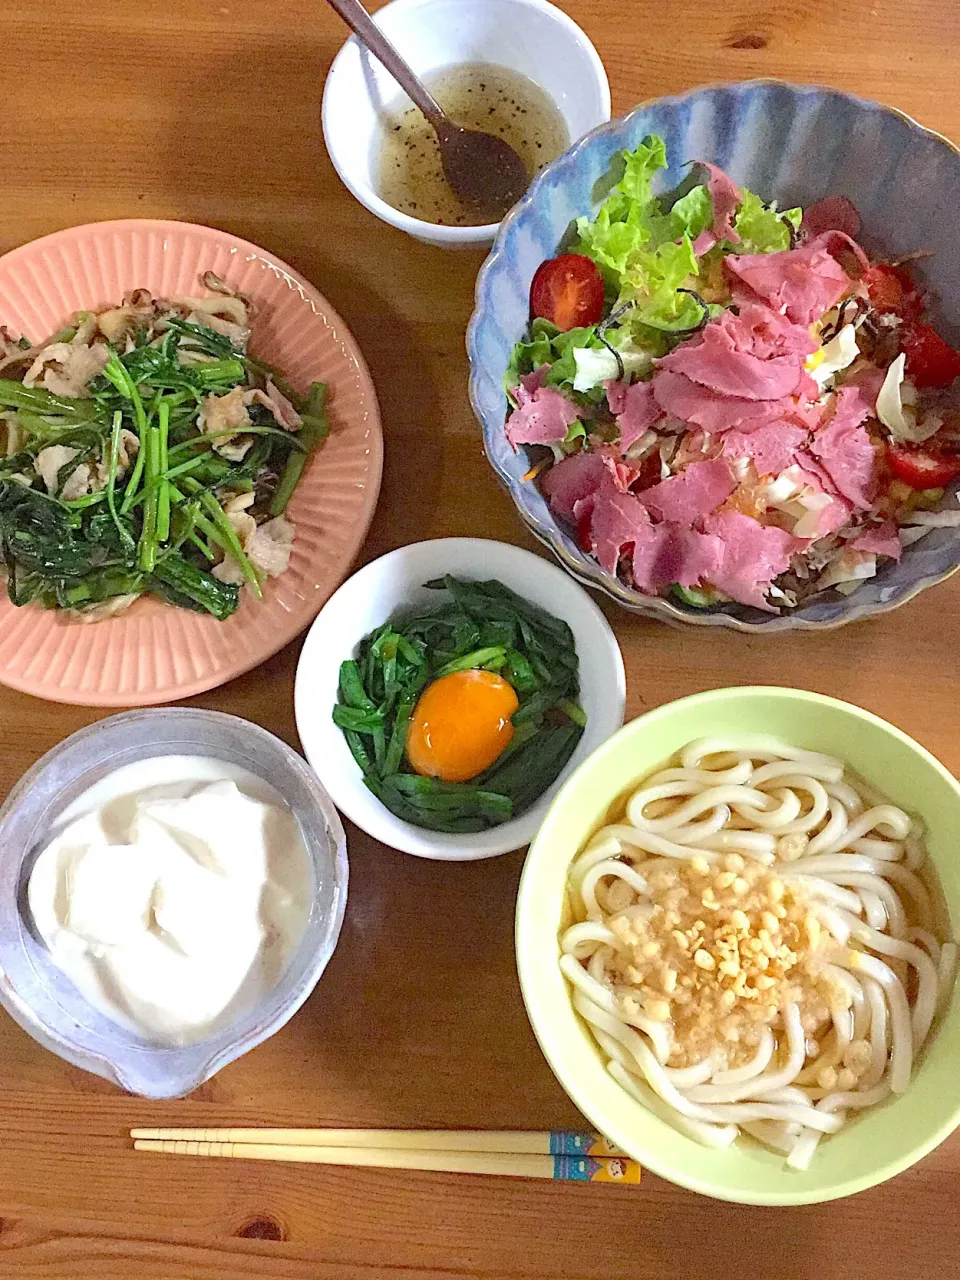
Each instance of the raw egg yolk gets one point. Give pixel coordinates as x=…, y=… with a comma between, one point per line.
x=460, y=725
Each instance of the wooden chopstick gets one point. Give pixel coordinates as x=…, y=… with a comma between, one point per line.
x=579, y=1168
x=555, y=1142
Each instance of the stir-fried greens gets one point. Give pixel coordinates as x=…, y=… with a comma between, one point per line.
x=147, y=452
x=482, y=626
x=733, y=403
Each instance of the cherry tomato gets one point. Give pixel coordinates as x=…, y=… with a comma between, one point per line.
x=567, y=291
x=923, y=469
x=893, y=291
x=931, y=362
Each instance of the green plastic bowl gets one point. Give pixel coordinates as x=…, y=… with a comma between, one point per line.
x=875, y=1146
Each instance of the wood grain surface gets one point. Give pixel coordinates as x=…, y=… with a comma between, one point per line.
x=207, y=110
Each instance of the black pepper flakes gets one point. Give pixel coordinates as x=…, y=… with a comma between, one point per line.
x=411, y=176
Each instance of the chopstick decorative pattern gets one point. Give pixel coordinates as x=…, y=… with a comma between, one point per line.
x=561, y=1155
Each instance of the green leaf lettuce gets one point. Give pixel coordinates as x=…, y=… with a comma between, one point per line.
x=761, y=228
x=654, y=282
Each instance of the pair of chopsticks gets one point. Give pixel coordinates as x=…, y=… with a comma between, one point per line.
x=560, y=1154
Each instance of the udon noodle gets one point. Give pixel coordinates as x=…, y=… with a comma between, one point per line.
x=754, y=948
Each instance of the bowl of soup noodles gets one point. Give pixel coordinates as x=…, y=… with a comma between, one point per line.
x=736, y=944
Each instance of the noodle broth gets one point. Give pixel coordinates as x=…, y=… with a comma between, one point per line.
x=753, y=946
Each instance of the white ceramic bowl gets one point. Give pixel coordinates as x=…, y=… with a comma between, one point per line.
x=530, y=36
x=396, y=581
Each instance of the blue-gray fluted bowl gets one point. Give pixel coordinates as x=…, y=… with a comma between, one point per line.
x=791, y=143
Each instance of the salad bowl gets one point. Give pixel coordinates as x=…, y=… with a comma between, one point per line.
x=790, y=143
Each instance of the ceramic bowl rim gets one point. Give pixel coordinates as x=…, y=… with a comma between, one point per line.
x=417, y=227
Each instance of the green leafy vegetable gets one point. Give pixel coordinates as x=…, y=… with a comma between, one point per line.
x=150, y=519
x=530, y=355
x=640, y=167
x=194, y=587
x=655, y=283
x=761, y=228
x=481, y=626
x=563, y=370
x=548, y=346
x=68, y=559
x=643, y=245
x=314, y=431
x=14, y=395
x=623, y=224
x=690, y=215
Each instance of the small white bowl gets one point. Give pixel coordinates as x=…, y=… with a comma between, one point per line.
x=396, y=581
x=529, y=36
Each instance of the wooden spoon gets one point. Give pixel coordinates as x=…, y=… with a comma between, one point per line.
x=483, y=171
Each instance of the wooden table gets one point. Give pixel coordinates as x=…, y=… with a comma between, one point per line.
x=207, y=110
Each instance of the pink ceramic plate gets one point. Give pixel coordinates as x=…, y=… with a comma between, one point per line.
x=155, y=652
